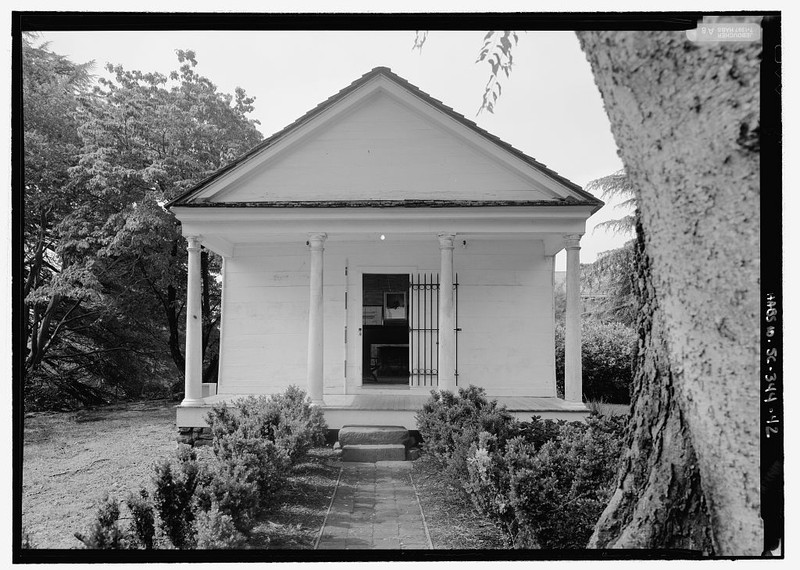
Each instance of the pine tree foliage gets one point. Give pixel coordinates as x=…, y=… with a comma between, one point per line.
x=612, y=273
x=616, y=185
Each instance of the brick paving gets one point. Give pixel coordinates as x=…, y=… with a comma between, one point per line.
x=375, y=506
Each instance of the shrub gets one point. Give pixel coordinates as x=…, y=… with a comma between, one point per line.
x=216, y=530
x=289, y=420
x=251, y=467
x=143, y=519
x=300, y=425
x=245, y=478
x=548, y=485
x=608, y=351
x=450, y=423
x=559, y=492
x=537, y=431
x=175, y=484
x=105, y=532
x=488, y=484
x=254, y=444
x=490, y=462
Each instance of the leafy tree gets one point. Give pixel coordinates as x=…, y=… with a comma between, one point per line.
x=50, y=86
x=62, y=301
x=147, y=138
x=497, y=52
x=105, y=265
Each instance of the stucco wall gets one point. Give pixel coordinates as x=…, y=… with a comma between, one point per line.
x=505, y=313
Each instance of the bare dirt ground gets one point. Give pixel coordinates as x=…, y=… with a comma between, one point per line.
x=72, y=459
x=453, y=523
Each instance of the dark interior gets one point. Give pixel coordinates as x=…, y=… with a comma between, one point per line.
x=385, y=345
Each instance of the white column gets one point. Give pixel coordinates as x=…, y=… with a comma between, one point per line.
x=315, y=319
x=447, y=316
x=193, y=391
x=573, y=387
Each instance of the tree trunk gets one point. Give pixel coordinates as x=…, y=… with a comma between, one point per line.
x=43, y=335
x=685, y=117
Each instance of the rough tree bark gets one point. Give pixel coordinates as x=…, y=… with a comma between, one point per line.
x=685, y=117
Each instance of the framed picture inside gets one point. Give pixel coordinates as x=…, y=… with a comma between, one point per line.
x=394, y=306
x=373, y=315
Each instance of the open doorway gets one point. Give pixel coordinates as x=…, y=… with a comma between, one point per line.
x=385, y=330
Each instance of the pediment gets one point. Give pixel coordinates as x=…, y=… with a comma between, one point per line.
x=381, y=139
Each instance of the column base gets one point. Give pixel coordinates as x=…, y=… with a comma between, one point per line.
x=191, y=402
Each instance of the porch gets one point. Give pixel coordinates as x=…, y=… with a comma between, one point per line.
x=391, y=408
x=504, y=341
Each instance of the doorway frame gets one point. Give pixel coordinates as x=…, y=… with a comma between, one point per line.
x=355, y=344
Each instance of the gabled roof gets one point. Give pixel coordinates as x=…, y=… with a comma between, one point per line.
x=186, y=199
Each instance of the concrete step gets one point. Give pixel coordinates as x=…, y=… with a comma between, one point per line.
x=370, y=443
x=372, y=453
x=373, y=435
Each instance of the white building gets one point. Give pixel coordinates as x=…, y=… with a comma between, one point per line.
x=381, y=246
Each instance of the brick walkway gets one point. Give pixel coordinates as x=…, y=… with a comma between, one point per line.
x=375, y=506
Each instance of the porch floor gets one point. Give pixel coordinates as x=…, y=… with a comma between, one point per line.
x=394, y=409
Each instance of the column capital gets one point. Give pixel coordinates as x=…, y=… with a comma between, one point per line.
x=572, y=241
x=193, y=242
x=317, y=240
x=446, y=240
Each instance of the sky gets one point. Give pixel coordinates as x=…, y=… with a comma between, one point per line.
x=550, y=107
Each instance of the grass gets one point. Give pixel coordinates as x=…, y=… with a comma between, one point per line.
x=453, y=523
x=72, y=459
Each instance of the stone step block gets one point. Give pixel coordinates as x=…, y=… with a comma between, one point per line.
x=373, y=453
x=373, y=435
